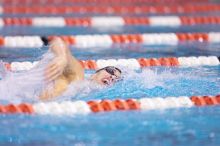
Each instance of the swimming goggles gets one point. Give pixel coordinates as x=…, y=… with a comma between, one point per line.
x=111, y=70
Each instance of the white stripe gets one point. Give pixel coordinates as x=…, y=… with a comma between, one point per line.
x=1, y=22
x=128, y=63
x=160, y=38
x=8, y=42
x=185, y=101
x=49, y=21
x=107, y=21
x=214, y=37
x=164, y=103
x=23, y=41
x=165, y=21
x=103, y=63
x=37, y=41
x=214, y=60
x=197, y=61
x=63, y=108
x=85, y=41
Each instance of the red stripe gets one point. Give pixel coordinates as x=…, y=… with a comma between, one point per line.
x=193, y=37
x=78, y=21
x=17, y=108
x=199, y=20
x=18, y=21
x=127, y=38
x=205, y=100
x=2, y=41
x=136, y=21
x=111, y=105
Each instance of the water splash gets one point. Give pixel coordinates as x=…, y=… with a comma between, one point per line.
x=160, y=81
x=149, y=82
x=25, y=85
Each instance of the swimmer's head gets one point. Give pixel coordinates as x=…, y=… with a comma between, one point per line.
x=107, y=75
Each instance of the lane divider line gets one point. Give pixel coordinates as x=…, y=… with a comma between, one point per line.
x=131, y=63
x=105, y=40
x=106, y=105
x=111, y=21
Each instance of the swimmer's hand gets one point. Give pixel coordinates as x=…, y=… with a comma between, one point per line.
x=58, y=64
x=55, y=68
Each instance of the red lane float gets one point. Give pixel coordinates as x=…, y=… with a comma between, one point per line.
x=105, y=105
x=205, y=100
x=168, y=9
x=16, y=108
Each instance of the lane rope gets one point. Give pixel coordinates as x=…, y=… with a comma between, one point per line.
x=98, y=21
x=105, y=40
x=161, y=9
x=106, y=105
x=129, y=2
x=131, y=63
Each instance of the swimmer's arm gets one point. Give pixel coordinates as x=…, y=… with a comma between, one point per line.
x=64, y=63
x=63, y=69
x=74, y=70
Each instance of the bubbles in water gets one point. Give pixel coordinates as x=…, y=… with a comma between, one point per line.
x=150, y=78
x=160, y=81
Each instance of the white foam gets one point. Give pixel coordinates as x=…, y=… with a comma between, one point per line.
x=150, y=78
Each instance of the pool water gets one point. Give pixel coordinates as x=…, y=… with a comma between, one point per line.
x=185, y=126
x=194, y=126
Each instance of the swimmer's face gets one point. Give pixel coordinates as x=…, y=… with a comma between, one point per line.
x=107, y=75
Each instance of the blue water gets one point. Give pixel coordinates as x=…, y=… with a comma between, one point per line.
x=165, y=82
x=186, y=126
x=195, y=126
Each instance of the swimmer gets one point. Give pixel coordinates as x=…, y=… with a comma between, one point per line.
x=65, y=69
